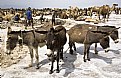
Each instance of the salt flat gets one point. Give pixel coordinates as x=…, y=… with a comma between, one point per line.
x=103, y=65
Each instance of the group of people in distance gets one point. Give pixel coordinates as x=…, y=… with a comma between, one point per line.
x=29, y=19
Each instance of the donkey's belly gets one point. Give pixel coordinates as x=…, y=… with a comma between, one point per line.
x=78, y=39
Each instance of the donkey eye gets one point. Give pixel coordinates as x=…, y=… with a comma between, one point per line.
x=9, y=37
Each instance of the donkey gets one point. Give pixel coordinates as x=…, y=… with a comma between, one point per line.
x=114, y=35
x=56, y=39
x=87, y=37
x=31, y=39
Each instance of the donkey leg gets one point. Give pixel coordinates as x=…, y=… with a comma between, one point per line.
x=61, y=53
x=74, y=46
x=26, y=24
x=37, y=59
x=70, y=46
x=57, y=58
x=31, y=55
x=85, y=51
x=96, y=52
x=51, y=71
x=88, y=48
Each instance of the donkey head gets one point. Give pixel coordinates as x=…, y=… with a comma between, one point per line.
x=12, y=39
x=11, y=42
x=104, y=42
x=114, y=36
x=50, y=42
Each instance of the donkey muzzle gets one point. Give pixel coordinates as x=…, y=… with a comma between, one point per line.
x=49, y=52
x=116, y=41
x=8, y=52
x=107, y=49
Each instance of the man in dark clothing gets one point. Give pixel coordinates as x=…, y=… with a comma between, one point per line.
x=53, y=18
x=29, y=18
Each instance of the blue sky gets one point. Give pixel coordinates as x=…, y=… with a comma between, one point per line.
x=55, y=3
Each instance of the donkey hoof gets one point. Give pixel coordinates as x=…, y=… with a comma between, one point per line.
x=37, y=67
x=96, y=52
x=84, y=60
x=57, y=71
x=106, y=51
x=30, y=65
x=71, y=52
x=88, y=59
x=8, y=53
x=74, y=49
x=50, y=72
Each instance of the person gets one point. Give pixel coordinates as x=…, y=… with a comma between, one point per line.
x=53, y=18
x=41, y=18
x=29, y=18
x=17, y=18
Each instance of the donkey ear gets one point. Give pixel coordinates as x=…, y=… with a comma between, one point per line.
x=56, y=31
x=118, y=28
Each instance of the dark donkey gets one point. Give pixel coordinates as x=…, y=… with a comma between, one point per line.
x=56, y=39
x=87, y=37
x=29, y=38
x=114, y=31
